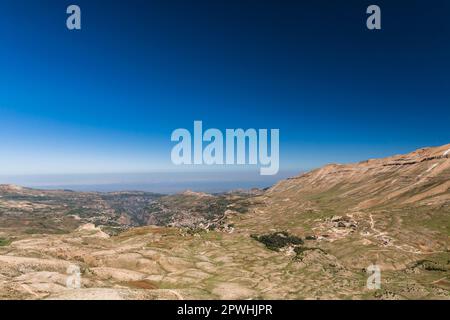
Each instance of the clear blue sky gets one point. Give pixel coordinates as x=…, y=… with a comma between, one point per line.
x=106, y=98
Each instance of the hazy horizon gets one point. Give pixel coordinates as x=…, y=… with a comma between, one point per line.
x=158, y=182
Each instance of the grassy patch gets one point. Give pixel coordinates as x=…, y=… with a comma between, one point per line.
x=142, y=284
x=112, y=231
x=5, y=242
x=48, y=230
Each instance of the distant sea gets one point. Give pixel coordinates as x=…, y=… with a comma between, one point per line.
x=160, y=182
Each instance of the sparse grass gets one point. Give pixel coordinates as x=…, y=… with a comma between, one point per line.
x=434, y=220
x=142, y=284
x=112, y=231
x=300, y=250
x=211, y=235
x=44, y=230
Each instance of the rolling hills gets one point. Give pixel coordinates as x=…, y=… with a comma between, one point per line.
x=308, y=237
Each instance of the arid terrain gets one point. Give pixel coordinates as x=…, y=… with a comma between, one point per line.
x=308, y=237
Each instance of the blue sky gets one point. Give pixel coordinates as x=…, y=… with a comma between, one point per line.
x=106, y=98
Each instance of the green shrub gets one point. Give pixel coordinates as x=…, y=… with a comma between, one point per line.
x=5, y=242
x=277, y=240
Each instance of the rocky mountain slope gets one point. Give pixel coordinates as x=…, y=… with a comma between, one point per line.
x=311, y=236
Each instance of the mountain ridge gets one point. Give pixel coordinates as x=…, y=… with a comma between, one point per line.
x=308, y=237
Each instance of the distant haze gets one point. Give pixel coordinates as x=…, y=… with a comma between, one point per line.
x=159, y=182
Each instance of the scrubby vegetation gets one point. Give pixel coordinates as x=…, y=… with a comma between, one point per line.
x=300, y=251
x=277, y=240
x=5, y=242
x=429, y=265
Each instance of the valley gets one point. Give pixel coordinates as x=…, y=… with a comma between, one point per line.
x=307, y=237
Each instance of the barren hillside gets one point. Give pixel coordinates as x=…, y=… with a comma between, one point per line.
x=311, y=236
